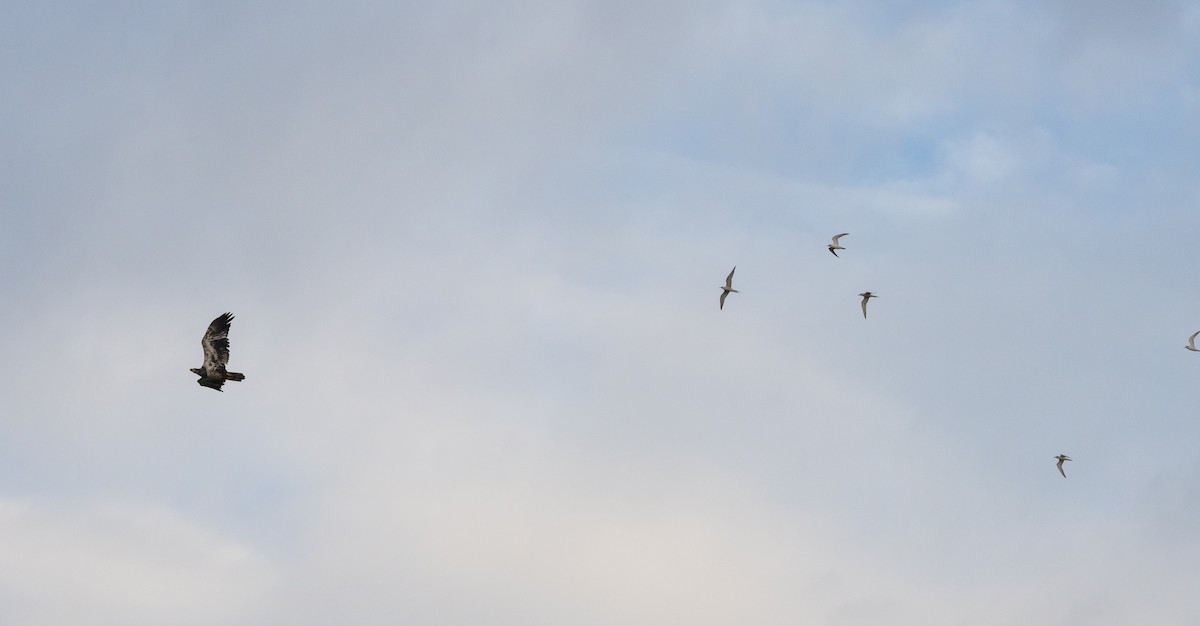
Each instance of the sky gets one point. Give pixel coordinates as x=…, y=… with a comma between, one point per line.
x=474, y=251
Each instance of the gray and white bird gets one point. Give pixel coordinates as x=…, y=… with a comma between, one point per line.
x=1061, y=458
x=1192, y=342
x=728, y=288
x=833, y=247
x=866, y=295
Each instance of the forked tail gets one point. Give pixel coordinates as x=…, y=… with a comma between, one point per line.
x=234, y=376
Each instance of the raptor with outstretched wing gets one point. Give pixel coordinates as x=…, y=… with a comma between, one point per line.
x=216, y=354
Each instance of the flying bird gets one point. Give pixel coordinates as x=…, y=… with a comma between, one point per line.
x=216, y=354
x=1061, y=458
x=728, y=287
x=835, y=246
x=1192, y=342
x=866, y=295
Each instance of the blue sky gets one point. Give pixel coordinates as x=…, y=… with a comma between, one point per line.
x=474, y=254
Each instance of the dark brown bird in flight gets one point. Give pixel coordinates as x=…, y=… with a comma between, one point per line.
x=216, y=354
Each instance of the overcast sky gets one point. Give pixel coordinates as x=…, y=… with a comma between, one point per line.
x=474, y=250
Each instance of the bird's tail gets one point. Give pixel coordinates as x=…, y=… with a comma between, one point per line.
x=234, y=376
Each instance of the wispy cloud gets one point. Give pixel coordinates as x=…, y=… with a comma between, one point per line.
x=474, y=252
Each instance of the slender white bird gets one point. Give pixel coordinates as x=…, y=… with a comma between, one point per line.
x=1061, y=458
x=1192, y=342
x=835, y=245
x=728, y=287
x=866, y=295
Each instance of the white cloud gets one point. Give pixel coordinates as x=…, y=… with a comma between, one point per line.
x=474, y=254
x=111, y=563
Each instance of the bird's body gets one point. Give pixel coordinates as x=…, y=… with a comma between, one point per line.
x=1061, y=458
x=215, y=343
x=866, y=295
x=728, y=288
x=835, y=246
x=1192, y=342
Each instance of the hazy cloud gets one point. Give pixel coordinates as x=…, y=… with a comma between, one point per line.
x=474, y=253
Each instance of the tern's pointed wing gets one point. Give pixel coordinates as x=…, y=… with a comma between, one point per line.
x=723, y=294
x=836, y=237
x=1060, y=468
x=729, y=278
x=834, y=251
x=1192, y=339
x=864, y=306
x=216, y=343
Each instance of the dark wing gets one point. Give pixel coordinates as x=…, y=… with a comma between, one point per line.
x=214, y=383
x=216, y=344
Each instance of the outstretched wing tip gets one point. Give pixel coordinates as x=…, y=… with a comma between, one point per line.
x=215, y=342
